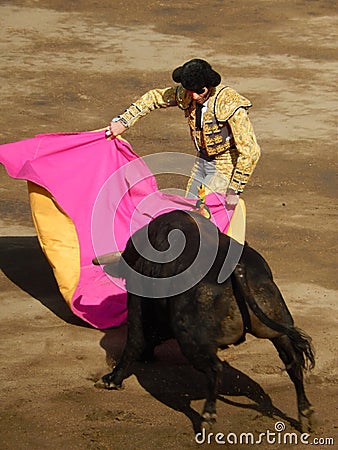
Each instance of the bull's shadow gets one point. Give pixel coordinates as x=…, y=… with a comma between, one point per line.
x=23, y=262
x=174, y=382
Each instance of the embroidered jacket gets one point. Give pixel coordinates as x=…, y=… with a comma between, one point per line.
x=226, y=129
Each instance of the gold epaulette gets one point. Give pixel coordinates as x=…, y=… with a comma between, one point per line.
x=183, y=99
x=227, y=101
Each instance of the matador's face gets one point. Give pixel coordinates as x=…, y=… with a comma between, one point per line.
x=201, y=97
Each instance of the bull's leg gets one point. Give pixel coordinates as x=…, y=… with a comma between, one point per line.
x=134, y=347
x=213, y=371
x=206, y=361
x=292, y=359
x=196, y=327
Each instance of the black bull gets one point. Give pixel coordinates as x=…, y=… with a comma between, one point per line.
x=200, y=310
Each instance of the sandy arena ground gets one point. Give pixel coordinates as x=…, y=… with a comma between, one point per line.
x=71, y=66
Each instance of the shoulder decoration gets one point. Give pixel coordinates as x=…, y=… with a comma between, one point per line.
x=227, y=102
x=183, y=99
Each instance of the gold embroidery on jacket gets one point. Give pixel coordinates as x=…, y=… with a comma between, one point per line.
x=237, y=156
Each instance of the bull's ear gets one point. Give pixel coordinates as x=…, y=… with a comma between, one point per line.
x=114, y=269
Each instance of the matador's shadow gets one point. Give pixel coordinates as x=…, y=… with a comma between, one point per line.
x=23, y=262
x=175, y=383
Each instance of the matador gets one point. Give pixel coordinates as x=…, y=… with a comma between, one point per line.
x=217, y=115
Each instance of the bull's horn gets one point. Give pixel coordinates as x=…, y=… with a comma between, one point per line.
x=108, y=258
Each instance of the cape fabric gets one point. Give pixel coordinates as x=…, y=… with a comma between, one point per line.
x=88, y=195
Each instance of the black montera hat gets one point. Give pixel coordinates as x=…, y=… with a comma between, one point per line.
x=196, y=74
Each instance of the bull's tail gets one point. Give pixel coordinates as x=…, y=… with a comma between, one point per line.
x=301, y=341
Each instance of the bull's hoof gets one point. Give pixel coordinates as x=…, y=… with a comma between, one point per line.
x=208, y=420
x=106, y=382
x=307, y=420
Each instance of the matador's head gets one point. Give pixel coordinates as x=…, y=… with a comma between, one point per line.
x=195, y=75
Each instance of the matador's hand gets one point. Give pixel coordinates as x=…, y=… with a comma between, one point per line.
x=115, y=128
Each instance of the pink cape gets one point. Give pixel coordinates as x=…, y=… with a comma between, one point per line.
x=108, y=192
